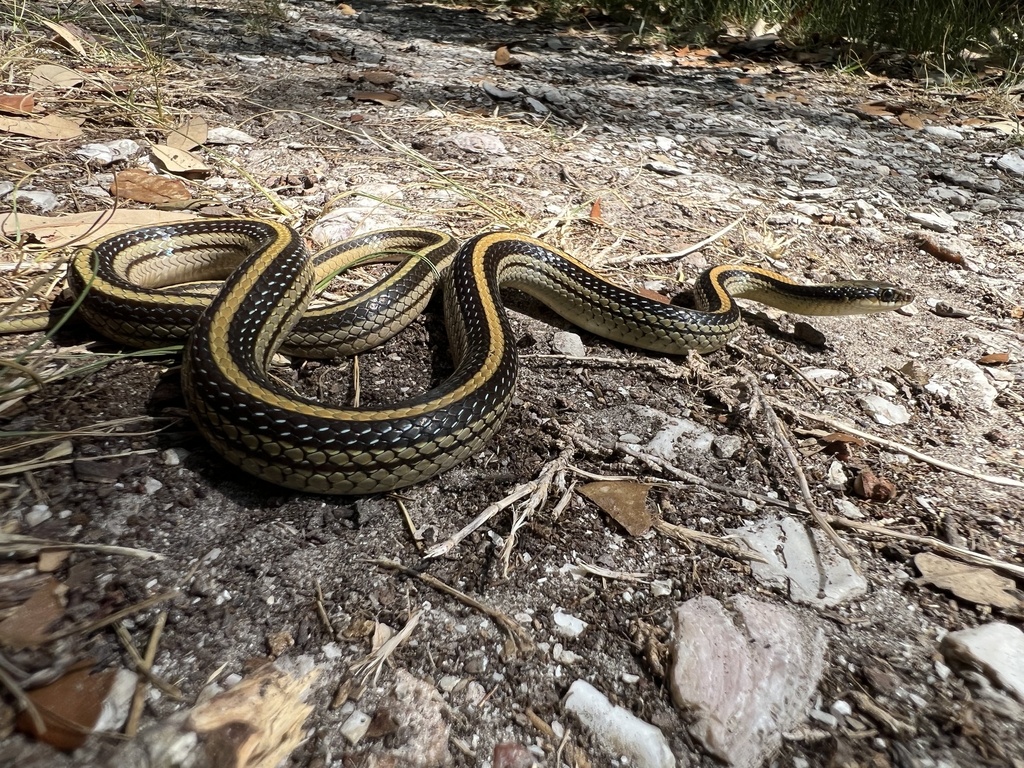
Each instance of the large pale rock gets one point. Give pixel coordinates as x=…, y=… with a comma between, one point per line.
x=744, y=684
x=997, y=649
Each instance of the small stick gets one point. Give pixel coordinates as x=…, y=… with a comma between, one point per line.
x=794, y=461
x=938, y=545
x=536, y=486
x=897, y=446
x=85, y=627
x=679, y=533
x=355, y=381
x=686, y=251
x=146, y=667
x=417, y=537
x=516, y=632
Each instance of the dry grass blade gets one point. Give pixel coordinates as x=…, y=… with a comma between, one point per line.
x=373, y=663
x=15, y=545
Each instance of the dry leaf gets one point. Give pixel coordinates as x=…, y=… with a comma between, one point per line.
x=911, y=120
x=179, y=160
x=381, y=97
x=843, y=437
x=595, y=212
x=347, y=10
x=16, y=104
x=189, y=135
x=66, y=36
x=50, y=127
x=873, y=108
x=60, y=231
x=51, y=559
x=502, y=58
x=968, y=582
x=29, y=624
x=378, y=77
x=145, y=187
x=54, y=76
x=69, y=707
x=624, y=501
x=996, y=358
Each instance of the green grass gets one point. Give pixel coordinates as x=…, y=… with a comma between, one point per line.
x=939, y=31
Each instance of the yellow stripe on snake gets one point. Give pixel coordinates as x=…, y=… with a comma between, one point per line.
x=263, y=306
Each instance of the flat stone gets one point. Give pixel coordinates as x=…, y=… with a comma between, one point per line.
x=746, y=683
x=996, y=648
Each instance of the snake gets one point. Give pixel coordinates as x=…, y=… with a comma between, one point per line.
x=149, y=287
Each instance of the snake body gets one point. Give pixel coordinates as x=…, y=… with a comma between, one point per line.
x=293, y=441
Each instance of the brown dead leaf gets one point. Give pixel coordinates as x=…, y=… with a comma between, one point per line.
x=624, y=501
x=996, y=358
x=178, y=161
x=381, y=97
x=595, y=212
x=145, y=187
x=347, y=10
x=69, y=707
x=54, y=76
x=874, y=109
x=911, y=120
x=51, y=559
x=53, y=127
x=189, y=135
x=65, y=36
x=60, y=231
x=502, y=56
x=29, y=624
x=17, y=104
x=843, y=437
x=968, y=582
x=870, y=486
x=378, y=77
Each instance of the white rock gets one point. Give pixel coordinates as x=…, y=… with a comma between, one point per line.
x=43, y=199
x=151, y=485
x=743, y=684
x=115, y=707
x=618, y=730
x=809, y=572
x=355, y=727
x=661, y=588
x=569, y=344
x=939, y=222
x=224, y=135
x=39, y=513
x=943, y=132
x=884, y=411
x=964, y=382
x=568, y=625
x=1011, y=162
x=836, y=478
x=479, y=143
x=997, y=648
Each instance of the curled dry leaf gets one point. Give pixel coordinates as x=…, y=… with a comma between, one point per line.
x=145, y=187
x=75, y=228
x=378, y=77
x=595, y=212
x=54, y=76
x=53, y=127
x=624, y=501
x=70, y=707
x=179, y=161
x=911, y=120
x=381, y=97
x=870, y=486
x=66, y=36
x=17, y=104
x=996, y=358
x=502, y=58
x=969, y=582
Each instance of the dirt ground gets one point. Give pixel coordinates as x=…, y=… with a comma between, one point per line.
x=399, y=113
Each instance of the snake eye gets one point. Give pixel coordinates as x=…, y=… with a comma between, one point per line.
x=887, y=295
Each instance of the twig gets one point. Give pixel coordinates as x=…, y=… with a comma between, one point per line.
x=537, y=500
x=146, y=668
x=679, y=533
x=538, y=485
x=16, y=545
x=686, y=251
x=355, y=381
x=516, y=632
x=140, y=663
x=417, y=536
x=85, y=627
x=897, y=446
x=373, y=662
x=938, y=545
x=23, y=701
x=782, y=438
